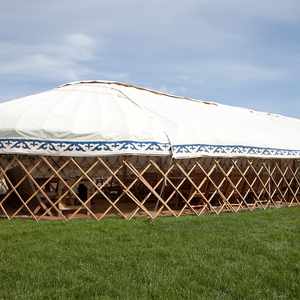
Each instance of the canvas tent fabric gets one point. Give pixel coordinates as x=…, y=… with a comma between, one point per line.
x=95, y=118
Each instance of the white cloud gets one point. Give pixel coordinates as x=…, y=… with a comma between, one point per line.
x=66, y=59
x=250, y=72
x=231, y=72
x=202, y=48
x=282, y=11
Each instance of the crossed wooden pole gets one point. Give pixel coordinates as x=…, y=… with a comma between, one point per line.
x=151, y=186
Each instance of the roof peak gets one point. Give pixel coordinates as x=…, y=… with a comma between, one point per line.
x=137, y=87
x=157, y=92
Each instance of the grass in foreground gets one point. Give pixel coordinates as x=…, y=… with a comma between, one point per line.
x=231, y=256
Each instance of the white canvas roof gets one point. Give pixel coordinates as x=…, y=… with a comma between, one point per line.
x=91, y=118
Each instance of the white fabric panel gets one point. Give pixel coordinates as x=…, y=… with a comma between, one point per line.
x=196, y=122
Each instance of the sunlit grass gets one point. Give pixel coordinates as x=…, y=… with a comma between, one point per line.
x=231, y=256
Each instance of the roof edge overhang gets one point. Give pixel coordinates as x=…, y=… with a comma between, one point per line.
x=41, y=147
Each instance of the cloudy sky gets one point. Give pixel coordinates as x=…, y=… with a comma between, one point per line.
x=240, y=52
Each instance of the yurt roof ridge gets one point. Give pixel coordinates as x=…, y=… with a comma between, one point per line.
x=157, y=92
x=140, y=88
x=154, y=91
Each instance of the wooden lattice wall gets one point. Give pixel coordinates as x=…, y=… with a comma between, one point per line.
x=41, y=187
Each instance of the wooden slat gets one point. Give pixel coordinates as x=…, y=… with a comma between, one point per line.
x=271, y=183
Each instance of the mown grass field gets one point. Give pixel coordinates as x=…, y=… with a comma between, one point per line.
x=231, y=256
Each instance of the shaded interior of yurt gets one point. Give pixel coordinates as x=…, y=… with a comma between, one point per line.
x=53, y=187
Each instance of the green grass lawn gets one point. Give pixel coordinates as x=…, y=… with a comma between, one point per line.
x=231, y=256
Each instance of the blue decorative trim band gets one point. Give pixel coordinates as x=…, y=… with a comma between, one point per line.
x=81, y=147
x=236, y=150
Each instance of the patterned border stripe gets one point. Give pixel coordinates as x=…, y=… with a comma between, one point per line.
x=92, y=148
x=135, y=147
x=233, y=150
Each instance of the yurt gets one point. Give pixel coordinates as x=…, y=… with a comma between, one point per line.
x=93, y=149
